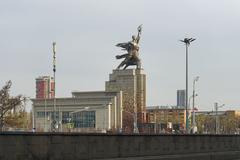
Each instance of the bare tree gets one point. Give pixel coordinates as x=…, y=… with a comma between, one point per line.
x=9, y=103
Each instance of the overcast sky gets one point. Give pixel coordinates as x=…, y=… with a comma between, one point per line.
x=86, y=33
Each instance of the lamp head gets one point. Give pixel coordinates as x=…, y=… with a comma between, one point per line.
x=197, y=78
x=187, y=41
x=54, y=47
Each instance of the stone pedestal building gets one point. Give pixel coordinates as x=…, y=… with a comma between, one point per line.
x=132, y=82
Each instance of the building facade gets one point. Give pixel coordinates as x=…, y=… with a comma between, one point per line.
x=218, y=122
x=167, y=117
x=132, y=83
x=44, y=87
x=119, y=107
x=94, y=111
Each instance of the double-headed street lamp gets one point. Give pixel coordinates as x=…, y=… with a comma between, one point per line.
x=187, y=42
x=193, y=103
x=189, y=102
x=189, y=99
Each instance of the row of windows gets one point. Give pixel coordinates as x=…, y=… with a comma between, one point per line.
x=42, y=114
x=84, y=119
x=48, y=114
x=66, y=117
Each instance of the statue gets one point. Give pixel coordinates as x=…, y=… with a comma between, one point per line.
x=132, y=48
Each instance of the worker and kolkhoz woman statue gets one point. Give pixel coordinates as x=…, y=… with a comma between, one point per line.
x=132, y=48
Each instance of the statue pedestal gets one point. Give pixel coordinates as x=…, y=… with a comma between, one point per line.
x=132, y=83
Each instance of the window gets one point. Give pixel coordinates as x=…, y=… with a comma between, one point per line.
x=65, y=117
x=42, y=114
x=84, y=119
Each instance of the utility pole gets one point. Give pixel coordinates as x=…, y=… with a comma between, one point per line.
x=187, y=42
x=45, y=108
x=193, y=106
x=135, y=129
x=155, y=120
x=216, y=106
x=135, y=124
x=33, y=118
x=55, y=123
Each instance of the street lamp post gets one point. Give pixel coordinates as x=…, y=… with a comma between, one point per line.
x=155, y=121
x=135, y=123
x=193, y=104
x=46, y=96
x=55, y=125
x=189, y=102
x=187, y=42
x=216, y=106
x=45, y=114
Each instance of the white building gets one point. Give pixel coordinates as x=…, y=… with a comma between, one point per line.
x=88, y=111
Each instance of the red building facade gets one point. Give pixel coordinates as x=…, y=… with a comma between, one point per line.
x=44, y=87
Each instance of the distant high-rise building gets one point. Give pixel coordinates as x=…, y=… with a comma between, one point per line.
x=44, y=87
x=181, y=94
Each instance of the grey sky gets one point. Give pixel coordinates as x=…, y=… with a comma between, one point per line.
x=86, y=33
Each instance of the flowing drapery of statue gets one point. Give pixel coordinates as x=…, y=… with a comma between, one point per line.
x=132, y=48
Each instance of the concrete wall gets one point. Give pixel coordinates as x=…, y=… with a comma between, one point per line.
x=41, y=146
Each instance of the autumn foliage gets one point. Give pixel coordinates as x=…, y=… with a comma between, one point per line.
x=9, y=105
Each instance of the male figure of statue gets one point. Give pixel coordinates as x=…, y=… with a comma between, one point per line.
x=132, y=48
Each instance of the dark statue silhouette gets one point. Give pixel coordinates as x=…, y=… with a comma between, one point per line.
x=132, y=48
